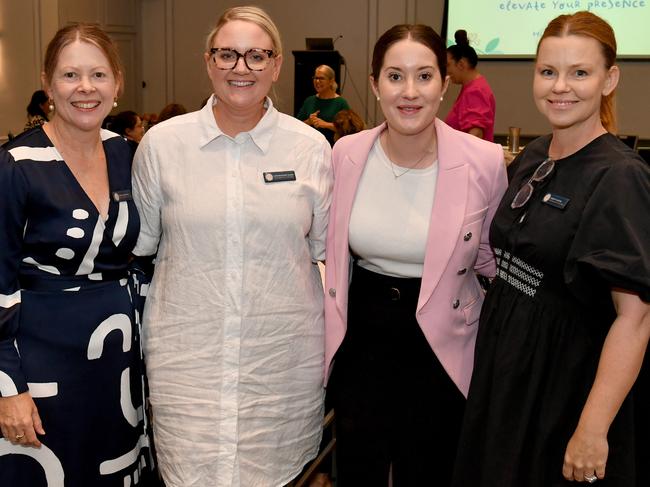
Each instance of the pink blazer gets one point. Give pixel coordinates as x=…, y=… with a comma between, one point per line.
x=471, y=182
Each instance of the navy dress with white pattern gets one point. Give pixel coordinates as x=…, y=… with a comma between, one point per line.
x=67, y=324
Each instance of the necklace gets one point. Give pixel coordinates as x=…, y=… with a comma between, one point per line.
x=414, y=166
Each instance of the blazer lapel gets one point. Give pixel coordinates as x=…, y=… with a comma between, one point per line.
x=447, y=213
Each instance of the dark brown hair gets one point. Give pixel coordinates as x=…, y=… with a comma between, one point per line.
x=123, y=121
x=462, y=49
x=416, y=32
x=590, y=25
x=170, y=111
x=90, y=33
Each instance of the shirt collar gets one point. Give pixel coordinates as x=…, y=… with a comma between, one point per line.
x=261, y=134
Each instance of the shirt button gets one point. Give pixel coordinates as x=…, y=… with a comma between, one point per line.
x=455, y=304
x=467, y=236
x=462, y=271
x=332, y=292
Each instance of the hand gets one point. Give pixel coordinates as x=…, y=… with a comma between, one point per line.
x=320, y=480
x=19, y=420
x=313, y=119
x=586, y=454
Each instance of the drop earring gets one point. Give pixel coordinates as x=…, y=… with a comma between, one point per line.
x=442, y=98
x=378, y=99
x=51, y=105
x=115, y=103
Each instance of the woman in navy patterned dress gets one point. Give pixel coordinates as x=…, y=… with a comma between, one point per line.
x=70, y=378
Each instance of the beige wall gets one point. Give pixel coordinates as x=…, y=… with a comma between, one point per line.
x=19, y=61
x=26, y=26
x=182, y=37
x=163, y=43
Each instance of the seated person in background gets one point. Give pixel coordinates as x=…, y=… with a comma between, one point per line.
x=129, y=125
x=170, y=111
x=347, y=122
x=320, y=109
x=37, y=110
x=474, y=109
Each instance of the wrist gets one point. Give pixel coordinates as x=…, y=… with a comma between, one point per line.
x=592, y=427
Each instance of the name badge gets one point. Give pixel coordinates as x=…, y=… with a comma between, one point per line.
x=122, y=195
x=279, y=176
x=556, y=200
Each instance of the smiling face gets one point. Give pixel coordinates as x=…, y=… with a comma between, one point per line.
x=409, y=87
x=322, y=83
x=240, y=89
x=83, y=86
x=570, y=80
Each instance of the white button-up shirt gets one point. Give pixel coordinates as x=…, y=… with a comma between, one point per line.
x=233, y=324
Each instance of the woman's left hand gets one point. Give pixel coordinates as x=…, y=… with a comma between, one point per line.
x=585, y=456
x=316, y=122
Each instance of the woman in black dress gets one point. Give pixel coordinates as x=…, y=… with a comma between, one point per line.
x=566, y=322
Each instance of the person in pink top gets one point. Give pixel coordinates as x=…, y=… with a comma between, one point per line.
x=474, y=109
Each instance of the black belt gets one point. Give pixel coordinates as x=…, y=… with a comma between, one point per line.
x=383, y=287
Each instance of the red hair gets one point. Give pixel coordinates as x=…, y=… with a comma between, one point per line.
x=91, y=34
x=590, y=25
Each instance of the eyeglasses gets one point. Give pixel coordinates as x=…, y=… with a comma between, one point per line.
x=526, y=191
x=318, y=78
x=254, y=59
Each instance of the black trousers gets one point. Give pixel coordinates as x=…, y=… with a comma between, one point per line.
x=395, y=405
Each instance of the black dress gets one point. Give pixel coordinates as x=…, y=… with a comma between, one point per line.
x=548, y=312
x=68, y=332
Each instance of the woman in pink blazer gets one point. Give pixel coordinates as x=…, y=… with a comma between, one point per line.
x=408, y=231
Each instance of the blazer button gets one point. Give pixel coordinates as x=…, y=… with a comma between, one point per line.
x=332, y=292
x=455, y=304
x=467, y=236
x=462, y=271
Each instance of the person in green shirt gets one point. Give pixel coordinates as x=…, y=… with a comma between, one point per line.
x=320, y=109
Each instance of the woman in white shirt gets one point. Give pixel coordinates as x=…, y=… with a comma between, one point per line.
x=235, y=197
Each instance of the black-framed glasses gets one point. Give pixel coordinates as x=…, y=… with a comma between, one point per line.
x=526, y=190
x=255, y=59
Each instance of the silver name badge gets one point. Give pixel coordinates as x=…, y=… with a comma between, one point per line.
x=122, y=195
x=279, y=176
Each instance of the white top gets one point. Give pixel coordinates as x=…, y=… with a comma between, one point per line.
x=233, y=323
x=389, y=225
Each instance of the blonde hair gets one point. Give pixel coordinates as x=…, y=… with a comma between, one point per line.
x=251, y=14
x=329, y=72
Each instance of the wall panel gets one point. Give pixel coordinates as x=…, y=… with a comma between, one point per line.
x=19, y=63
